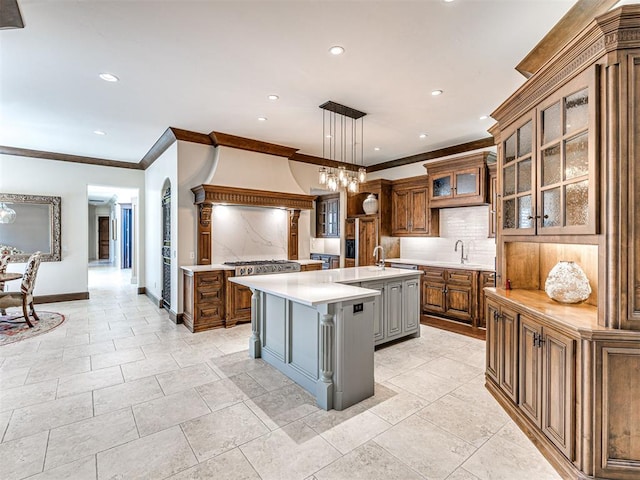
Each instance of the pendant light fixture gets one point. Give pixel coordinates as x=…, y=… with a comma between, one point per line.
x=7, y=214
x=342, y=141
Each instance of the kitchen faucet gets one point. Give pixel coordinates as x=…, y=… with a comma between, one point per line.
x=462, y=257
x=380, y=259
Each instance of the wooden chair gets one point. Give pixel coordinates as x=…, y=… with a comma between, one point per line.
x=24, y=297
x=4, y=261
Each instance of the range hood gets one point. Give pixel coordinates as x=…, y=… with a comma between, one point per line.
x=224, y=195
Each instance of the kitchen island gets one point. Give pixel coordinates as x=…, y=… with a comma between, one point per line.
x=319, y=328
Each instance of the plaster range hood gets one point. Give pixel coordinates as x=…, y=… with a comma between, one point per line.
x=224, y=195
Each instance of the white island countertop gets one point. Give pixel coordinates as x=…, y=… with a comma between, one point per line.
x=435, y=263
x=323, y=286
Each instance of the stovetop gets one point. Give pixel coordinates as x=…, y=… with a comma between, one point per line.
x=262, y=267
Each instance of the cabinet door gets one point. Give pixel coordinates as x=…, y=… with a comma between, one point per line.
x=411, y=307
x=321, y=218
x=378, y=311
x=350, y=228
x=401, y=211
x=459, y=301
x=493, y=203
x=433, y=298
x=467, y=183
x=393, y=307
x=493, y=340
x=333, y=214
x=367, y=240
x=486, y=279
x=442, y=186
x=419, y=213
x=335, y=262
x=557, y=390
x=530, y=370
x=508, y=366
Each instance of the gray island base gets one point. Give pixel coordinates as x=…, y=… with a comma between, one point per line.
x=319, y=328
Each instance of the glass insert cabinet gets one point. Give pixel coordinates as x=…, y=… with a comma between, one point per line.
x=549, y=166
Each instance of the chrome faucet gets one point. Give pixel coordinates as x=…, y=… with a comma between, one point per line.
x=462, y=257
x=380, y=258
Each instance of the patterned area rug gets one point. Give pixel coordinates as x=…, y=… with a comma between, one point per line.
x=15, y=330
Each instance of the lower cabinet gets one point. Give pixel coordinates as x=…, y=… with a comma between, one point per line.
x=502, y=348
x=450, y=293
x=237, y=302
x=396, y=310
x=203, y=300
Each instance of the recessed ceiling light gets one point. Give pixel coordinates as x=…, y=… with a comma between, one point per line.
x=328, y=136
x=262, y=119
x=377, y=149
x=448, y=1
x=108, y=77
x=336, y=50
x=435, y=93
x=273, y=97
x=423, y=135
x=99, y=132
x=484, y=117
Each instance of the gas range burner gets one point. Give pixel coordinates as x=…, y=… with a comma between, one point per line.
x=262, y=267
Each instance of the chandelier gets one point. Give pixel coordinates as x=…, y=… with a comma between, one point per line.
x=341, y=128
x=7, y=214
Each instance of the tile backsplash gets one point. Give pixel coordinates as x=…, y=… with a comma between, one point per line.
x=469, y=224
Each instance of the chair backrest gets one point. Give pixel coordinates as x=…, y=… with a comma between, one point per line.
x=30, y=272
x=4, y=261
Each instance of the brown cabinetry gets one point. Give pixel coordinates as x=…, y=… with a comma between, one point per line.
x=485, y=279
x=237, y=302
x=458, y=182
x=203, y=300
x=367, y=239
x=411, y=212
x=502, y=348
x=328, y=216
x=450, y=293
x=493, y=198
x=310, y=266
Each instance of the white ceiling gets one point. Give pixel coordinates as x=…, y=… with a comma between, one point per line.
x=209, y=65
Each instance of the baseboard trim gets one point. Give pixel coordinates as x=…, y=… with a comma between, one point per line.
x=175, y=317
x=453, y=326
x=142, y=290
x=156, y=301
x=61, y=297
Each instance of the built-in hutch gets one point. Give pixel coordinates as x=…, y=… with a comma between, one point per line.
x=569, y=189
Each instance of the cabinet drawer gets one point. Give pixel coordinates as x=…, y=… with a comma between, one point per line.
x=434, y=274
x=208, y=279
x=208, y=295
x=461, y=277
x=209, y=312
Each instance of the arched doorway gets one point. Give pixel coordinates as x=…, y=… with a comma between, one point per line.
x=166, y=246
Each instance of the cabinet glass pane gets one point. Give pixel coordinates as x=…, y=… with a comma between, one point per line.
x=510, y=149
x=551, y=208
x=524, y=139
x=551, y=127
x=551, y=165
x=509, y=213
x=465, y=183
x=577, y=157
x=442, y=187
x=509, y=180
x=524, y=176
x=577, y=203
x=576, y=111
x=525, y=212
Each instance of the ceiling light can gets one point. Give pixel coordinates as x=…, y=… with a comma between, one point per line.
x=99, y=132
x=109, y=77
x=262, y=119
x=336, y=50
x=273, y=97
x=435, y=93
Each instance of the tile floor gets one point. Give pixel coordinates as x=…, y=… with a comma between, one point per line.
x=120, y=392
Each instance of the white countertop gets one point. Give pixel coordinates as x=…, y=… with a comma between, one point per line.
x=322, y=286
x=222, y=266
x=434, y=263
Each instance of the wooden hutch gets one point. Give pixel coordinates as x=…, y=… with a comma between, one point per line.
x=569, y=189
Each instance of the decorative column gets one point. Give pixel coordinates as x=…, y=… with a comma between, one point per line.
x=254, y=341
x=324, y=389
x=204, y=233
x=292, y=231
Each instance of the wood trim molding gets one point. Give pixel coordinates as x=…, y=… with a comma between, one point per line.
x=189, y=136
x=292, y=235
x=242, y=143
x=204, y=234
x=577, y=18
x=325, y=162
x=433, y=154
x=63, y=157
x=61, y=297
x=211, y=194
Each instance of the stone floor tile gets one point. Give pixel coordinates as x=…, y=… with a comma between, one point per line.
x=45, y=416
x=229, y=391
x=213, y=434
x=119, y=357
x=235, y=363
x=452, y=370
x=125, y=394
x=165, y=412
x=153, y=365
x=269, y=378
x=72, y=442
x=57, y=368
x=462, y=474
x=231, y=465
x=194, y=376
x=11, y=398
x=283, y=406
x=83, y=469
x=294, y=451
x=23, y=457
x=424, y=384
x=85, y=382
x=136, y=341
x=152, y=457
x=11, y=377
x=425, y=448
x=367, y=462
x=103, y=335
x=88, y=350
x=399, y=406
x=355, y=431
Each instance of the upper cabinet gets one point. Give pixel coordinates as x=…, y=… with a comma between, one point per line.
x=411, y=212
x=549, y=172
x=493, y=198
x=458, y=182
x=328, y=216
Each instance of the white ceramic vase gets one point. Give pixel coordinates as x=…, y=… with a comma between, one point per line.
x=370, y=204
x=567, y=283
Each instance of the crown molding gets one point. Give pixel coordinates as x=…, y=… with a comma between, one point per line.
x=242, y=143
x=210, y=194
x=433, y=154
x=64, y=157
